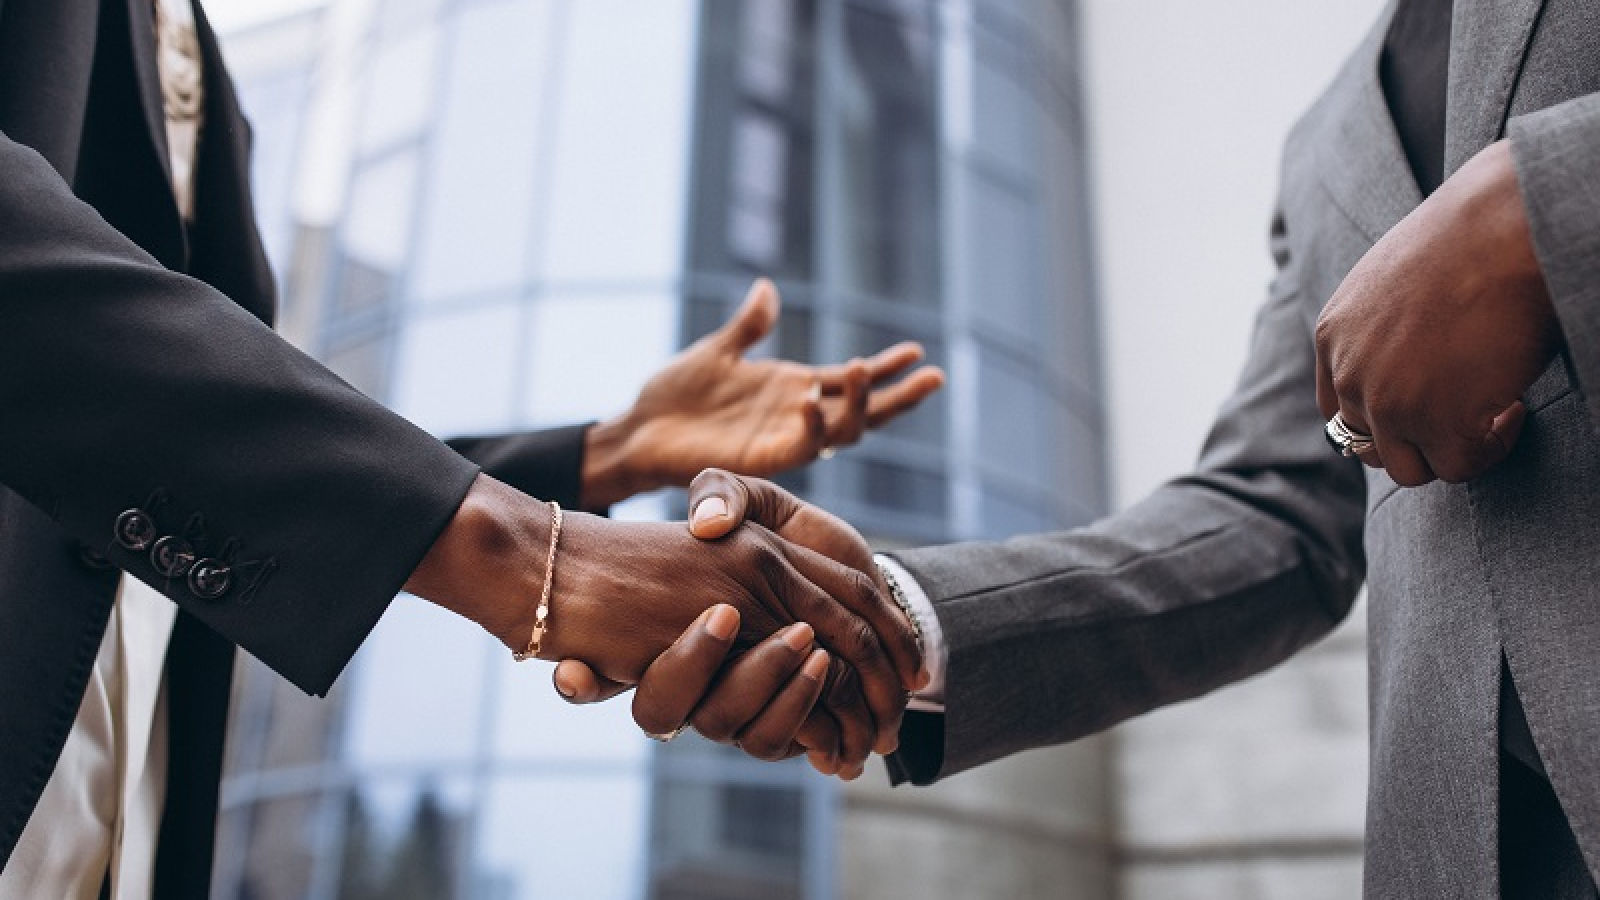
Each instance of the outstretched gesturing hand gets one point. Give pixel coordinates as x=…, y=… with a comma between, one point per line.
x=1434, y=335
x=757, y=700
x=714, y=406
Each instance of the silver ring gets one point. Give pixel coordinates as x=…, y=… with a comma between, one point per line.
x=826, y=453
x=1343, y=438
x=669, y=736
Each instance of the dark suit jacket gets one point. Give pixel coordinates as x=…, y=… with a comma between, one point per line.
x=138, y=371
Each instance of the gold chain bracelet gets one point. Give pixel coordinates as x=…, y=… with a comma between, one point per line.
x=541, y=617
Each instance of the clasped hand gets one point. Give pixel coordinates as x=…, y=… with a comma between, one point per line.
x=770, y=699
x=1439, y=329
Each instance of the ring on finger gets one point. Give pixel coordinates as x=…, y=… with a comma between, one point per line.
x=826, y=453
x=1346, y=440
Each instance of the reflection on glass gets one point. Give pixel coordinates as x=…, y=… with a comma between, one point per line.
x=588, y=355
x=888, y=187
x=480, y=205
x=726, y=841
x=458, y=373
x=399, y=89
x=619, y=143
x=377, y=232
x=560, y=837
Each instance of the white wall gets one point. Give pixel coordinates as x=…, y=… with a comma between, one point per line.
x=1255, y=792
x=1189, y=102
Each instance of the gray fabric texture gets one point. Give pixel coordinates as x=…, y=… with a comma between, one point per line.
x=1227, y=571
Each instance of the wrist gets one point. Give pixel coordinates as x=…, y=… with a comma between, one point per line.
x=488, y=565
x=611, y=469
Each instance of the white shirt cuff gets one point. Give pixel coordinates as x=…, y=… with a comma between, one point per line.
x=934, y=652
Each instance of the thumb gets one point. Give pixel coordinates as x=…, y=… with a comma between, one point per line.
x=720, y=501
x=754, y=319
x=577, y=683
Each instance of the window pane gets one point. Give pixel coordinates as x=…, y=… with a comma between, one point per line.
x=621, y=141
x=400, y=83
x=590, y=355
x=563, y=837
x=377, y=225
x=479, y=206
x=457, y=373
x=417, y=689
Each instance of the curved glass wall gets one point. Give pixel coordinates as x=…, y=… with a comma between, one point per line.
x=538, y=201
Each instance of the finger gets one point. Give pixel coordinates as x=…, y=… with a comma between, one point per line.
x=842, y=697
x=863, y=595
x=754, y=319
x=578, y=684
x=1507, y=428
x=1457, y=458
x=674, y=683
x=1327, y=394
x=772, y=732
x=750, y=683
x=846, y=415
x=892, y=401
x=819, y=735
x=717, y=504
x=1404, y=462
x=887, y=363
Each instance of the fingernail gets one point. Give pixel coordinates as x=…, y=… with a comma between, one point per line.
x=723, y=623
x=851, y=773
x=565, y=689
x=816, y=665
x=712, y=507
x=887, y=743
x=798, y=636
x=924, y=677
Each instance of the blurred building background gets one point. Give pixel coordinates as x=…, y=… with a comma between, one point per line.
x=504, y=214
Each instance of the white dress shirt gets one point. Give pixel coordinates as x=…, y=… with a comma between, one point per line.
x=100, y=813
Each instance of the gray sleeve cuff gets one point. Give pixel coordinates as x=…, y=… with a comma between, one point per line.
x=1557, y=156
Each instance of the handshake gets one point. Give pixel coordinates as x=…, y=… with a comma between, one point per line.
x=822, y=653
x=764, y=623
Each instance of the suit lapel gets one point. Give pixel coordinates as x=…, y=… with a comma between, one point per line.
x=142, y=22
x=1363, y=165
x=1487, y=44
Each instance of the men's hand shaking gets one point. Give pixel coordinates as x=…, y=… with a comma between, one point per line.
x=754, y=699
x=1439, y=329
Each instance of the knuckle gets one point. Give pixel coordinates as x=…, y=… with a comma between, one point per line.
x=715, y=725
x=861, y=643
x=764, y=747
x=648, y=717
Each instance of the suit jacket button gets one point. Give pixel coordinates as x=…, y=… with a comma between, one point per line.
x=172, y=557
x=135, y=530
x=210, y=579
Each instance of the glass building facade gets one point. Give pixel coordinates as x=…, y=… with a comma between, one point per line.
x=505, y=214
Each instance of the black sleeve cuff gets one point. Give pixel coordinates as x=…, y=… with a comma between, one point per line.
x=547, y=464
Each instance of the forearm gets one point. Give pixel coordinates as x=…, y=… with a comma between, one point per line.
x=1214, y=577
x=128, y=386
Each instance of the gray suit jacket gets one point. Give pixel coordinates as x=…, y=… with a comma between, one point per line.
x=1261, y=551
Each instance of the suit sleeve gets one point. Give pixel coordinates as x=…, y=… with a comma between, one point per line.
x=547, y=464
x=1214, y=577
x=125, y=386
x=1557, y=154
